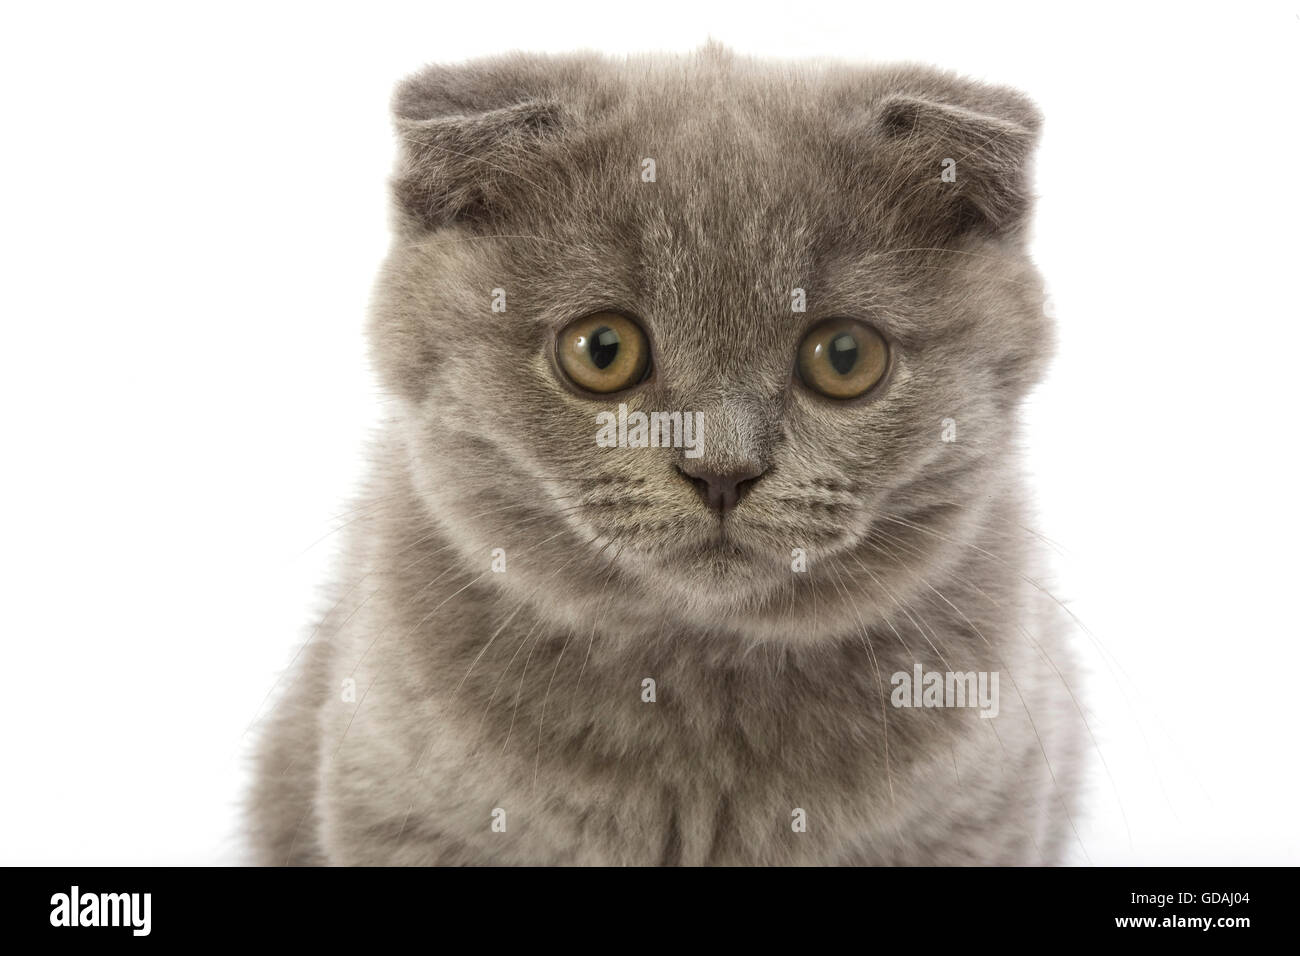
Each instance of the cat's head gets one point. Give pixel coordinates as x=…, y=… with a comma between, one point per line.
x=822, y=268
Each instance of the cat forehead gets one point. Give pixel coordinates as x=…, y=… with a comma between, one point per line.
x=711, y=175
x=489, y=139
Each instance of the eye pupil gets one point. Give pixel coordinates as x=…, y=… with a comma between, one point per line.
x=843, y=353
x=604, y=346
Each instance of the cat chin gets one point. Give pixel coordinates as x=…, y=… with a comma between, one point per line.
x=726, y=578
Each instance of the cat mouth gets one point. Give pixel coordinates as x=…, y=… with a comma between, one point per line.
x=720, y=548
x=690, y=548
x=726, y=547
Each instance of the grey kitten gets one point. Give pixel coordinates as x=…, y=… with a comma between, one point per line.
x=549, y=651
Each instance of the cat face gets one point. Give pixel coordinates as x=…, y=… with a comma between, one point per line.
x=822, y=270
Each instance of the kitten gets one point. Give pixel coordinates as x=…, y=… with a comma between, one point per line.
x=545, y=650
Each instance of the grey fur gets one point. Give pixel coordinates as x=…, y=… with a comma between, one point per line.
x=522, y=691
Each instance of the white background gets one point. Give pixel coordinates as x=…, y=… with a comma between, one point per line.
x=192, y=211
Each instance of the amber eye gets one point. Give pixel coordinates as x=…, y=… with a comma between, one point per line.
x=605, y=352
x=843, y=358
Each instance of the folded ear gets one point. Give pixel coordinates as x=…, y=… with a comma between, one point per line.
x=471, y=143
x=956, y=168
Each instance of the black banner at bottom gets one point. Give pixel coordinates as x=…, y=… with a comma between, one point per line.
x=922, y=907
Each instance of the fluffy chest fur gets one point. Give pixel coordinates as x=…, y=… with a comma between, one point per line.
x=465, y=705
